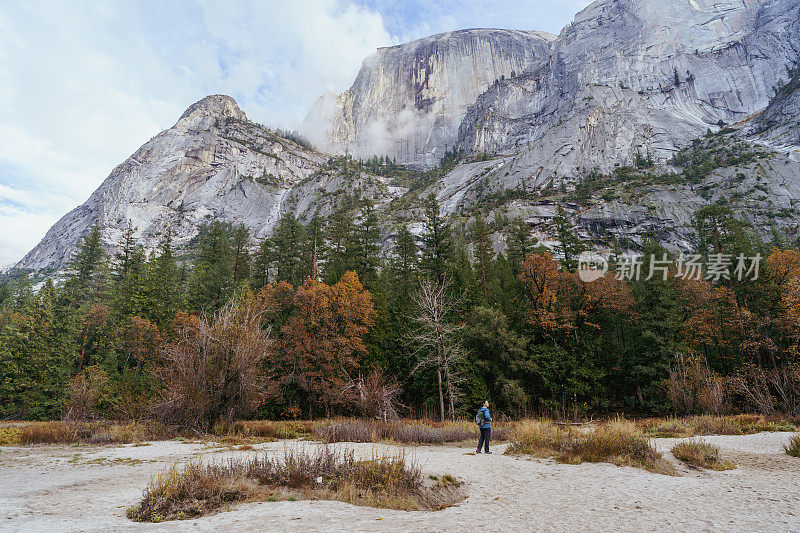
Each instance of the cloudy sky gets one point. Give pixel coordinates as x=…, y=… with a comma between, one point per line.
x=83, y=84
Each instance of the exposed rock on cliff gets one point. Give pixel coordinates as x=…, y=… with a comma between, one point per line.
x=637, y=76
x=408, y=100
x=780, y=122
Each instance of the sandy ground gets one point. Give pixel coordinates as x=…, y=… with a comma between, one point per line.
x=88, y=488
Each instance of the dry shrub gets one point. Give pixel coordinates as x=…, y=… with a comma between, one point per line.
x=214, y=369
x=770, y=392
x=127, y=432
x=86, y=390
x=541, y=438
x=378, y=396
x=48, y=433
x=403, y=431
x=693, y=388
x=129, y=399
x=618, y=442
x=793, y=447
x=197, y=489
x=743, y=424
x=701, y=454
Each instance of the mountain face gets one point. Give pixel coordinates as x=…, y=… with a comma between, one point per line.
x=780, y=122
x=637, y=76
x=408, y=101
x=544, y=122
x=212, y=164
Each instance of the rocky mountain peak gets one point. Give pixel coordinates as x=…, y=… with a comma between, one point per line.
x=209, y=111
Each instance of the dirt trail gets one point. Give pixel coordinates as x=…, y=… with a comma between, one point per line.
x=88, y=488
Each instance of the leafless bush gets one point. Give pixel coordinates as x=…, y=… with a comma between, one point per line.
x=213, y=370
x=378, y=396
x=693, y=388
x=85, y=391
x=770, y=392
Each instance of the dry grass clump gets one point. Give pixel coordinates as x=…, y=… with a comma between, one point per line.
x=403, y=431
x=542, y=438
x=702, y=454
x=60, y=432
x=271, y=429
x=197, y=489
x=690, y=426
x=9, y=436
x=618, y=442
x=48, y=433
x=793, y=447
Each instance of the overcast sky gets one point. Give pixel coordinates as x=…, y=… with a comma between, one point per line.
x=83, y=84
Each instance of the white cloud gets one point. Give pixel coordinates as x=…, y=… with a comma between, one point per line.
x=28, y=227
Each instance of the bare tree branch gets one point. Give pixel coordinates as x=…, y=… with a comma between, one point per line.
x=438, y=342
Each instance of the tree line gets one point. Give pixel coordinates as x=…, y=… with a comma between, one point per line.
x=317, y=320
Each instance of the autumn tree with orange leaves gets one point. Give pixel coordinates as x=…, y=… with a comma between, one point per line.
x=560, y=304
x=323, y=341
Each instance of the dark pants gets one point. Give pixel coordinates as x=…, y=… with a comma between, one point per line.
x=486, y=434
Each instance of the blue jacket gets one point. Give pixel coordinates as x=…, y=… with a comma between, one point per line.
x=487, y=417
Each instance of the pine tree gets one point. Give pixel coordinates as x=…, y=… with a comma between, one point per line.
x=287, y=251
x=21, y=295
x=404, y=265
x=437, y=243
x=87, y=267
x=129, y=281
x=718, y=231
x=520, y=243
x=240, y=241
x=366, y=246
x=123, y=257
x=570, y=245
x=34, y=360
x=341, y=238
x=211, y=283
x=5, y=293
x=163, y=285
x=262, y=264
x=58, y=348
x=483, y=253
x=314, y=252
